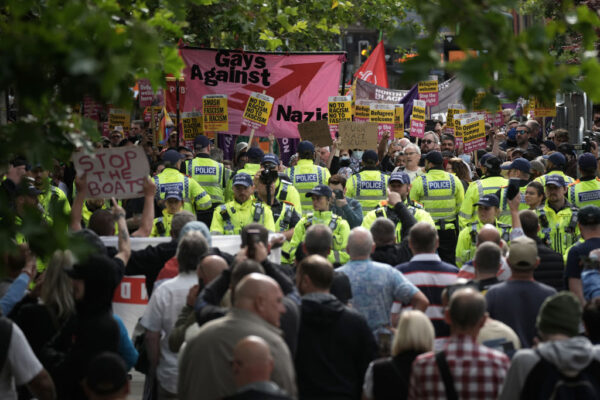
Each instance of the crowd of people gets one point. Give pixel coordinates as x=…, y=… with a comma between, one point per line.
x=408, y=271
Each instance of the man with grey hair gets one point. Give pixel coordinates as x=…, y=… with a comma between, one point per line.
x=413, y=156
x=163, y=309
x=470, y=370
x=430, y=142
x=429, y=273
x=375, y=286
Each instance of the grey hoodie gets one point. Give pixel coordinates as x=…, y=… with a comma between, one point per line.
x=569, y=355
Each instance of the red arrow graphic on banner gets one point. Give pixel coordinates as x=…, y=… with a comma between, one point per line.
x=301, y=75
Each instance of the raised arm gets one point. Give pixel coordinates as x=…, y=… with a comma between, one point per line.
x=148, y=213
x=124, y=242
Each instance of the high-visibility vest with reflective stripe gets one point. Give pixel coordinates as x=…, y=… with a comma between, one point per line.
x=369, y=187
x=440, y=193
x=231, y=217
x=161, y=227
x=381, y=211
x=584, y=193
x=476, y=190
x=305, y=176
x=467, y=244
x=505, y=216
x=287, y=192
x=194, y=196
x=210, y=175
x=249, y=168
x=542, y=179
x=558, y=228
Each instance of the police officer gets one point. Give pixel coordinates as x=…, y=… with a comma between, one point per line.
x=170, y=179
x=51, y=196
x=369, y=186
x=393, y=207
x=284, y=190
x=254, y=156
x=558, y=218
x=491, y=182
x=285, y=215
x=231, y=217
x=519, y=169
x=306, y=175
x=556, y=165
x=487, y=213
x=321, y=197
x=209, y=174
x=161, y=226
x=441, y=194
x=585, y=191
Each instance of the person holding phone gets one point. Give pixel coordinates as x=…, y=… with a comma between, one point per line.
x=519, y=174
x=348, y=208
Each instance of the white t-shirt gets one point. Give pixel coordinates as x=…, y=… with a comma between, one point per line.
x=21, y=365
x=161, y=314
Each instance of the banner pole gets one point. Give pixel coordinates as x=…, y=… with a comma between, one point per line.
x=344, y=70
x=177, y=95
x=152, y=123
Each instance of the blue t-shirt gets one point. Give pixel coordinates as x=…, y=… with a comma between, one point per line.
x=574, y=259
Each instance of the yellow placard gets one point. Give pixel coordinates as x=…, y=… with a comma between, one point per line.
x=428, y=86
x=398, y=121
x=544, y=109
x=192, y=125
x=119, y=117
x=362, y=110
x=452, y=111
x=215, y=115
x=473, y=130
x=339, y=109
x=382, y=113
x=418, y=113
x=258, y=110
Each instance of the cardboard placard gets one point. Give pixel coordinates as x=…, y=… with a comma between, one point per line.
x=383, y=115
x=417, y=119
x=192, y=124
x=115, y=172
x=146, y=94
x=429, y=91
x=216, y=117
x=399, y=121
x=119, y=117
x=316, y=132
x=358, y=135
x=473, y=130
x=257, y=111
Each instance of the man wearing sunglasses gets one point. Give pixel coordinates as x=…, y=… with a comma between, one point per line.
x=430, y=142
x=523, y=132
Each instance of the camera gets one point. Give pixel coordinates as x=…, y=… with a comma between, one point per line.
x=586, y=146
x=268, y=175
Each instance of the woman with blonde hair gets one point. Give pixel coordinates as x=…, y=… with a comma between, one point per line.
x=388, y=378
x=41, y=319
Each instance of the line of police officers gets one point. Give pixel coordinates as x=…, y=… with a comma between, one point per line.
x=290, y=202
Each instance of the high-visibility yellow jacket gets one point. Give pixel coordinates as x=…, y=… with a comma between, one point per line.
x=467, y=240
x=584, y=193
x=194, y=196
x=161, y=227
x=231, y=217
x=475, y=191
x=558, y=229
x=369, y=187
x=385, y=211
x=210, y=175
x=305, y=176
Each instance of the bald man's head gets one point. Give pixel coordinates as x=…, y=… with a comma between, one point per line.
x=488, y=233
x=210, y=268
x=466, y=311
x=261, y=295
x=360, y=244
x=252, y=361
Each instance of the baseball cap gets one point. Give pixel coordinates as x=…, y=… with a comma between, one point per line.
x=555, y=180
x=106, y=374
x=172, y=156
x=484, y=157
x=435, y=157
x=370, y=155
x=522, y=253
x=587, y=161
x=557, y=158
x=243, y=179
x=537, y=166
x=320, y=190
x=173, y=194
x=589, y=215
x=519, y=163
x=270, y=159
x=492, y=162
x=201, y=141
x=488, y=200
x=255, y=153
x=305, y=147
x=549, y=144
x=560, y=313
x=27, y=188
x=400, y=177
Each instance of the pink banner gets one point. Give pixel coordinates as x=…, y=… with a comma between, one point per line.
x=300, y=84
x=417, y=128
x=431, y=99
x=475, y=145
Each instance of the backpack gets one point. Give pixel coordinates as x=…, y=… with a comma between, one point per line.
x=545, y=381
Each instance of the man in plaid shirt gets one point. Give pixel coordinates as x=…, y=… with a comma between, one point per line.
x=476, y=372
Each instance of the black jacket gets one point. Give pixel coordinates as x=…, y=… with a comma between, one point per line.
x=391, y=376
x=552, y=267
x=335, y=347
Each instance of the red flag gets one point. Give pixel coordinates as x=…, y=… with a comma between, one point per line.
x=374, y=69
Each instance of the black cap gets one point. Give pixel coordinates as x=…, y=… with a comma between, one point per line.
x=488, y=200
x=172, y=156
x=27, y=188
x=492, y=162
x=370, y=155
x=320, y=190
x=434, y=157
x=106, y=374
x=201, y=142
x=589, y=215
